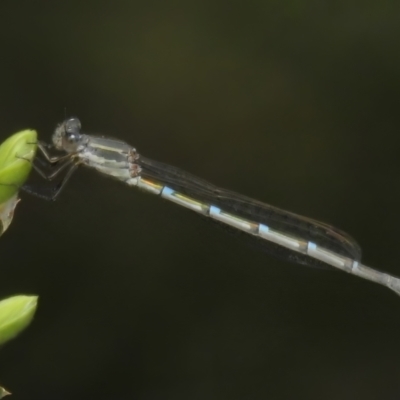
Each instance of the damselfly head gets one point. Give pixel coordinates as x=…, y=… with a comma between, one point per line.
x=67, y=136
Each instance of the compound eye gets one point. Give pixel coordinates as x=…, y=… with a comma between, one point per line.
x=71, y=137
x=73, y=126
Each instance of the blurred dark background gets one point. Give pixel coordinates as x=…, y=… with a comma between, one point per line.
x=294, y=103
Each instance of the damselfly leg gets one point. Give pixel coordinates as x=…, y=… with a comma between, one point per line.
x=56, y=164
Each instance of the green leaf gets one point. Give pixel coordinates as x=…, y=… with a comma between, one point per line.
x=15, y=315
x=7, y=213
x=16, y=155
x=3, y=392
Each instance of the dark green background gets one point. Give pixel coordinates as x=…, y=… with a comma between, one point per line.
x=295, y=103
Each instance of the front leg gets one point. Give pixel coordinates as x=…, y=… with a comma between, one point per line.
x=54, y=173
x=52, y=160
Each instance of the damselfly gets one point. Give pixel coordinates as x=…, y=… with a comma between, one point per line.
x=281, y=233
